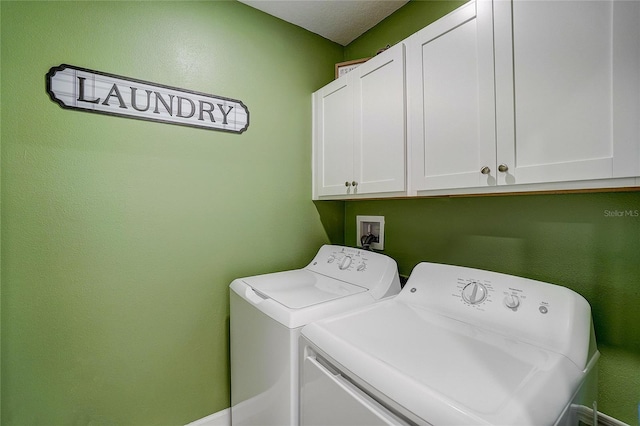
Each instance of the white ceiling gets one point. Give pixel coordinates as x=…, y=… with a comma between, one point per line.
x=341, y=21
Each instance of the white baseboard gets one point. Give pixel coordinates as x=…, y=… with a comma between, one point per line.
x=221, y=418
x=586, y=416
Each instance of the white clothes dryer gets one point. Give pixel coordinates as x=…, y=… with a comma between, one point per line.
x=268, y=312
x=457, y=346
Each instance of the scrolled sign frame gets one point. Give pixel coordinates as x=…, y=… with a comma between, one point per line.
x=88, y=90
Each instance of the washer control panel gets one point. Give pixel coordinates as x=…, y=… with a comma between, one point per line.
x=360, y=267
x=349, y=259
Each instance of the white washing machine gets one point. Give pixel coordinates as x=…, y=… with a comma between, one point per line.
x=457, y=346
x=268, y=312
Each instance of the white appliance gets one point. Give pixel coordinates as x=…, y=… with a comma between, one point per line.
x=457, y=346
x=268, y=312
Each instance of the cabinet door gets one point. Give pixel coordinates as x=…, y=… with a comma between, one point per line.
x=333, y=142
x=567, y=89
x=450, y=94
x=380, y=125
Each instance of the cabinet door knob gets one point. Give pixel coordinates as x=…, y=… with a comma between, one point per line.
x=354, y=183
x=503, y=168
x=347, y=184
x=485, y=170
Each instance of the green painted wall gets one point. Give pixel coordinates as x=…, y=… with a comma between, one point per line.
x=120, y=237
x=567, y=239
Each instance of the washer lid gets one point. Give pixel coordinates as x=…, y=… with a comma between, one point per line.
x=300, y=288
x=444, y=371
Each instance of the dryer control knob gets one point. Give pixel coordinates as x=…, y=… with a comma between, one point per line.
x=474, y=293
x=345, y=262
x=512, y=301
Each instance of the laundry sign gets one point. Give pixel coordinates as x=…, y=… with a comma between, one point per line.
x=94, y=91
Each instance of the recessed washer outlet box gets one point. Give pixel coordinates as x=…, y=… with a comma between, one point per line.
x=367, y=226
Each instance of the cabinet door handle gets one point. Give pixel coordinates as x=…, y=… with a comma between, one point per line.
x=354, y=183
x=485, y=170
x=503, y=168
x=347, y=184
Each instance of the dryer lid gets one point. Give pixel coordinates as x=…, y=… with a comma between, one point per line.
x=300, y=288
x=446, y=371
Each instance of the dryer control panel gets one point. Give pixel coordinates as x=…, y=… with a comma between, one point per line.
x=374, y=271
x=477, y=293
x=524, y=309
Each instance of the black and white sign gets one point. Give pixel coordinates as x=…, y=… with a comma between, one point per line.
x=94, y=91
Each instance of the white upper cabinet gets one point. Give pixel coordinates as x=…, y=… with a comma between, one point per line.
x=567, y=90
x=359, y=130
x=450, y=91
x=333, y=138
x=501, y=96
x=525, y=92
x=380, y=123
